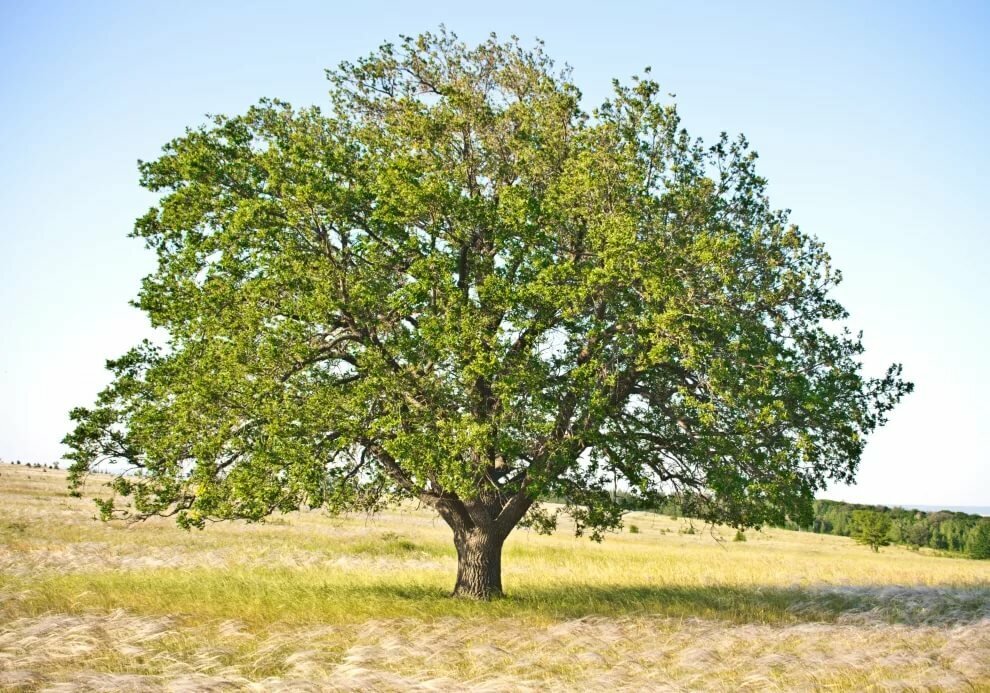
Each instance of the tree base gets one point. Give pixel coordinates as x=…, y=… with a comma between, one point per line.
x=482, y=596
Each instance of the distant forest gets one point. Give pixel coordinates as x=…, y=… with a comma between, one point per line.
x=944, y=530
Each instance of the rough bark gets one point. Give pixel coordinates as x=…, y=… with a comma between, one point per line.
x=479, y=564
x=480, y=528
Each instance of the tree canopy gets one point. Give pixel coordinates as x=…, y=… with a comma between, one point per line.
x=871, y=528
x=457, y=285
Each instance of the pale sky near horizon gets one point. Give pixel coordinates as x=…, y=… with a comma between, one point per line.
x=870, y=119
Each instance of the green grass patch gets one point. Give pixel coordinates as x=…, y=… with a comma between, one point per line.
x=308, y=596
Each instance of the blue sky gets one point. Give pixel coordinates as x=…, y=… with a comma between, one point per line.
x=870, y=119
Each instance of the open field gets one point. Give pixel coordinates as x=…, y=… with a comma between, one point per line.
x=308, y=602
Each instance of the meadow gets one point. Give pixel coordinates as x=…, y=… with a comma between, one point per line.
x=311, y=602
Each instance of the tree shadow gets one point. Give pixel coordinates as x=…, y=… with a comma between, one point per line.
x=941, y=605
x=318, y=596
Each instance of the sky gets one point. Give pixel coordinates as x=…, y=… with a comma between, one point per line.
x=870, y=120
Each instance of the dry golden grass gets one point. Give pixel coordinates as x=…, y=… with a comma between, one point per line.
x=308, y=602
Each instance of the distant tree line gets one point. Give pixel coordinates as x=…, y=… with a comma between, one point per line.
x=33, y=465
x=872, y=525
x=943, y=530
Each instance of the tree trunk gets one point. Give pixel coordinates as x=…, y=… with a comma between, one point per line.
x=479, y=564
x=480, y=526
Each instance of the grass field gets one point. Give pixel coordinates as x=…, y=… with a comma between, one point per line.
x=308, y=602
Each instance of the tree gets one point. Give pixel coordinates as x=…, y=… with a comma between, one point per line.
x=459, y=287
x=978, y=540
x=871, y=528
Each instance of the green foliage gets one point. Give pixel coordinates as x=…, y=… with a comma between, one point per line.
x=944, y=530
x=540, y=520
x=978, y=540
x=633, y=529
x=740, y=536
x=458, y=286
x=871, y=528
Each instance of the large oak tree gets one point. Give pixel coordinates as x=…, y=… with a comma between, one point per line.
x=458, y=286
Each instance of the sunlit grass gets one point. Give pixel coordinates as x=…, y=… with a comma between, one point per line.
x=360, y=602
